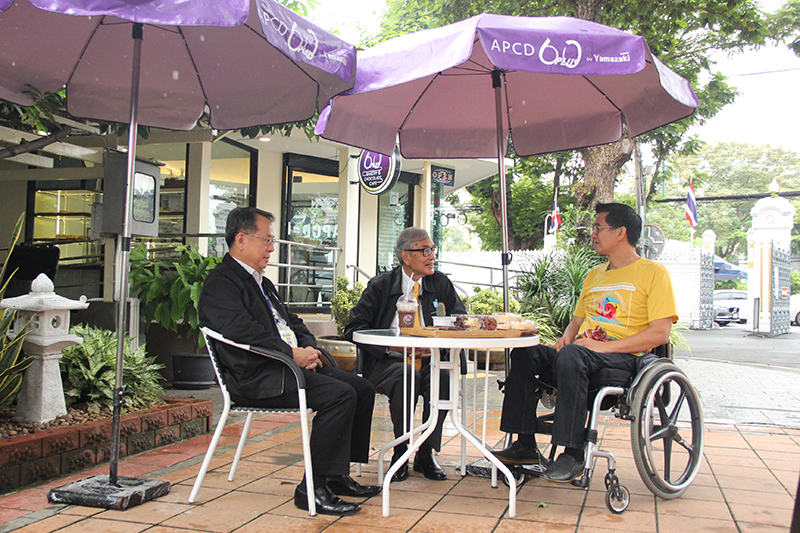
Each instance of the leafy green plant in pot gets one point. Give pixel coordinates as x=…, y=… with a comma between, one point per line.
x=169, y=292
x=342, y=302
x=89, y=371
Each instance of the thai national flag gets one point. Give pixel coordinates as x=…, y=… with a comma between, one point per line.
x=555, y=220
x=691, y=206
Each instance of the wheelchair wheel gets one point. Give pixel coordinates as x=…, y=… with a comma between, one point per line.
x=667, y=432
x=618, y=498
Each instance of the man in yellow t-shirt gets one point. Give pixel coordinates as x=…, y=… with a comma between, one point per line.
x=626, y=308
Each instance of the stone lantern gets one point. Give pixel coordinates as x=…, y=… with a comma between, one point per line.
x=41, y=396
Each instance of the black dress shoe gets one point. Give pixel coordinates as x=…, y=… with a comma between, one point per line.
x=564, y=469
x=426, y=463
x=347, y=486
x=326, y=501
x=519, y=454
x=402, y=472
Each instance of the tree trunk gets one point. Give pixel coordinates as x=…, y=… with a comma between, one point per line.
x=602, y=164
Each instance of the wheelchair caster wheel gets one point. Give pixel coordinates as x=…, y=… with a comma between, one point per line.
x=618, y=497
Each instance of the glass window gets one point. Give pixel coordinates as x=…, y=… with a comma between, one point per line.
x=395, y=213
x=231, y=186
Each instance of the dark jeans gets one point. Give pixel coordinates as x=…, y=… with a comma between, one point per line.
x=570, y=368
x=341, y=429
x=387, y=377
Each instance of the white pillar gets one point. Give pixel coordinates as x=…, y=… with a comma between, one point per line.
x=423, y=199
x=773, y=219
x=348, y=235
x=198, y=180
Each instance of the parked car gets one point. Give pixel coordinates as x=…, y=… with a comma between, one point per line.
x=794, y=308
x=725, y=315
x=734, y=298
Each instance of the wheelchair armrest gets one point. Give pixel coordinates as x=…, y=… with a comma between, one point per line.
x=272, y=354
x=664, y=350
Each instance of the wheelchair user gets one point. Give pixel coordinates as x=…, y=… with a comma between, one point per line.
x=626, y=308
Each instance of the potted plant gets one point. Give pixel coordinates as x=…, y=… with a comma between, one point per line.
x=342, y=302
x=169, y=292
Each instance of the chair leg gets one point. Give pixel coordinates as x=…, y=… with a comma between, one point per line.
x=239, y=448
x=312, y=505
x=209, y=454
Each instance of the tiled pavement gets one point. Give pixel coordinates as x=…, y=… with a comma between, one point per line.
x=748, y=482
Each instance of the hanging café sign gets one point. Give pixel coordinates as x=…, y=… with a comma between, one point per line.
x=378, y=172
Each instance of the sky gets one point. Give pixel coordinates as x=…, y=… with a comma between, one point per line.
x=765, y=112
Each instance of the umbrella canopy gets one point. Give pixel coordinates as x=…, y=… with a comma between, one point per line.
x=469, y=89
x=565, y=84
x=247, y=63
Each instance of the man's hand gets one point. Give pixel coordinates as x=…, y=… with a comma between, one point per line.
x=561, y=342
x=597, y=346
x=569, y=333
x=308, y=357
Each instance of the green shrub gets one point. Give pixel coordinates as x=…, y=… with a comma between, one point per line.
x=12, y=366
x=344, y=300
x=795, y=282
x=490, y=301
x=89, y=371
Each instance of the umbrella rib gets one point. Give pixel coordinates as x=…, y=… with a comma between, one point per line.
x=421, y=94
x=83, y=49
x=609, y=100
x=194, y=66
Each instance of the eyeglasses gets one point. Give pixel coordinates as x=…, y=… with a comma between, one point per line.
x=269, y=241
x=427, y=251
x=597, y=227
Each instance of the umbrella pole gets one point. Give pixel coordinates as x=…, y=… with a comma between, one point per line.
x=123, y=252
x=501, y=169
x=113, y=492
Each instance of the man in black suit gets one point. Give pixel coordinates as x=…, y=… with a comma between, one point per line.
x=383, y=367
x=239, y=302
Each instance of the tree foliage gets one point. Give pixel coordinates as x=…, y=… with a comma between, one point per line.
x=726, y=169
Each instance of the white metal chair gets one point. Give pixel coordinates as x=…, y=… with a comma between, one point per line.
x=212, y=337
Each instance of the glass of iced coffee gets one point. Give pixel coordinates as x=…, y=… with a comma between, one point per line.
x=406, y=311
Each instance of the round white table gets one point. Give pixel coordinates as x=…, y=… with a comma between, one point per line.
x=393, y=338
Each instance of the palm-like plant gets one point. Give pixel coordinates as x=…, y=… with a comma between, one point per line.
x=551, y=285
x=12, y=365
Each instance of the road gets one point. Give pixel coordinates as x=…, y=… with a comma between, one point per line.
x=743, y=378
x=735, y=344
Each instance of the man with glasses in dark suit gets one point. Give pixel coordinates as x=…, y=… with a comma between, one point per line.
x=383, y=367
x=239, y=302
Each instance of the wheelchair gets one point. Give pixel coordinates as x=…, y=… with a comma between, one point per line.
x=666, y=428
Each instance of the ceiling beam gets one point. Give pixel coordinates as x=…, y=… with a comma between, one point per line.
x=89, y=173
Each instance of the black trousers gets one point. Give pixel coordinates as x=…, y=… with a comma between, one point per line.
x=387, y=376
x=341, y=430
x=570, y=369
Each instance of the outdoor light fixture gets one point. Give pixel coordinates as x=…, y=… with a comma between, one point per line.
x=264, y=139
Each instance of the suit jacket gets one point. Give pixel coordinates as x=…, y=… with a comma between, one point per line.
x=378, y=304
x=233, y=305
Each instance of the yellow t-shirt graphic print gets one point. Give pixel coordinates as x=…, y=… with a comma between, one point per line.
x=612, y=303
x=624, y=301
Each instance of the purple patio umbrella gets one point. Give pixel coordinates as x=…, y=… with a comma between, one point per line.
x=546, y=84
x=245, y=63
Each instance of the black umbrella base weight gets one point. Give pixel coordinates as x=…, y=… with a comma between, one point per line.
x=483, y=468
x=96, y=491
